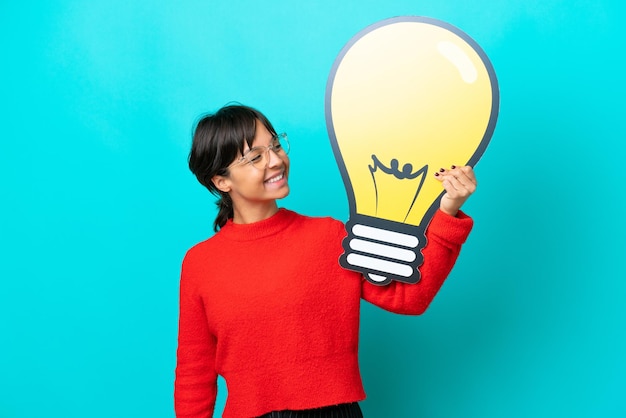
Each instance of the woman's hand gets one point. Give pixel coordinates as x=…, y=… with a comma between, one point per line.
x=459, y=183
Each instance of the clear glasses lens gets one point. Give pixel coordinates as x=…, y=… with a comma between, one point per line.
x=259, y=156
x=281, y=143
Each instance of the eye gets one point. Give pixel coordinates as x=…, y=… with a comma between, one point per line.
x=255, y=156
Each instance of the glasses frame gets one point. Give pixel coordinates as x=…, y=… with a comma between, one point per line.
x=266, y=151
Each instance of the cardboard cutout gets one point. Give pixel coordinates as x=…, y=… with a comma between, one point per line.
x=405, y=97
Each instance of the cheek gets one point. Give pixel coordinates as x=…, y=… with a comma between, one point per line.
x=247, y=178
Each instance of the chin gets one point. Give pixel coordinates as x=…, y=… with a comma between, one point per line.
x=284, y=193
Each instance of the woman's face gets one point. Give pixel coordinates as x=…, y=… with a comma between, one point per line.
x=250, y=186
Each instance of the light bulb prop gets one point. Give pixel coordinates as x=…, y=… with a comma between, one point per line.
x=405, y=96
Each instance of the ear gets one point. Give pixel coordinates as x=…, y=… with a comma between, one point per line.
x=222, y=183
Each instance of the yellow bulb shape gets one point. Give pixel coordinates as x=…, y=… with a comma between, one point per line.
x=408, y=95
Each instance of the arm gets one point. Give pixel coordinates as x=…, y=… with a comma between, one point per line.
x=446, y=233
x=195, y=388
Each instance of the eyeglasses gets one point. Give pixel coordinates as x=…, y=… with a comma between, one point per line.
x=259, y=157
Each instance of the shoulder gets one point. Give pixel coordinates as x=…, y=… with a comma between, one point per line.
x=319, y=222
x=318, y=231
x=201, y=250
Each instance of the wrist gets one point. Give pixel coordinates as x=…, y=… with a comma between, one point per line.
x=452, y=213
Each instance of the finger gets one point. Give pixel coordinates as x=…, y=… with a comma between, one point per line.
x=464, y=174
x=468, y=172
x=458, y=185
x=440, y=175
x=462, y=171
x=467, y=181
x=453, y=187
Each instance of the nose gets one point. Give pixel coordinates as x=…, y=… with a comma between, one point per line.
x=273, y=159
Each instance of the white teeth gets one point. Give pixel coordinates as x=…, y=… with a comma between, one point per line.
x=275, y=179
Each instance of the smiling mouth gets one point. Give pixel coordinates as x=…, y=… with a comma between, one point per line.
x=275, y=178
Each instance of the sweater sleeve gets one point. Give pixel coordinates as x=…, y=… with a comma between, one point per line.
x=195, y=387
x=445, y=235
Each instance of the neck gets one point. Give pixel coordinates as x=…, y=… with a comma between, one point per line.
x=254, y=214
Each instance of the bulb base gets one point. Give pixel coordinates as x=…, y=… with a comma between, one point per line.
x=383, y=250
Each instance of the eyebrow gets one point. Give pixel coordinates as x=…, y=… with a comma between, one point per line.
x=272, y=139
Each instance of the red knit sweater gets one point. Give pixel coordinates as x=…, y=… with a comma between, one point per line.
x=267, y=306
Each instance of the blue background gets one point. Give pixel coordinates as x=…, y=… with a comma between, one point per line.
x=98, y=101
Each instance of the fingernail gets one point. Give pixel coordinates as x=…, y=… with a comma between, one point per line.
x=436, y=174
x=453, y=167
x=441, y=170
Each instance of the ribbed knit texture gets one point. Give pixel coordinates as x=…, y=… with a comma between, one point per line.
x=267, y=306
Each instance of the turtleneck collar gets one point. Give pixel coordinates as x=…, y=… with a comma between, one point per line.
x=248, y=232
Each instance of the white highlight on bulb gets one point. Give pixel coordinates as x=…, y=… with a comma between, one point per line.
x=461, y=61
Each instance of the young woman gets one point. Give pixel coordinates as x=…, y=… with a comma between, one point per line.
x=264, y=302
